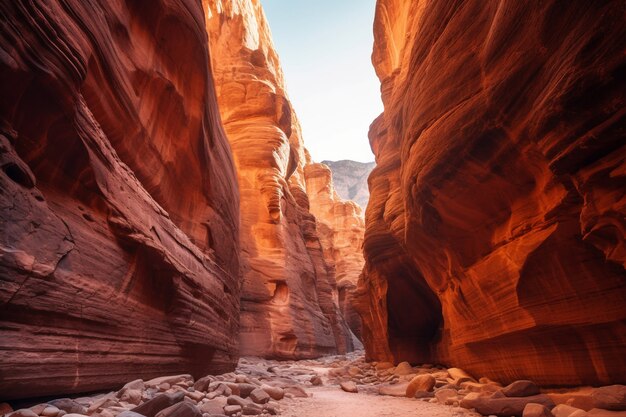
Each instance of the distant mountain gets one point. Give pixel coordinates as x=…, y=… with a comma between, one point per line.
x=350, y=179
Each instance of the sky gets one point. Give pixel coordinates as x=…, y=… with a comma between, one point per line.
x=325, y=49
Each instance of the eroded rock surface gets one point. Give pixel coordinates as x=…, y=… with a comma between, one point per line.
x=118, y=198
x=288, y=307
x=340, y=226
x=495, y=229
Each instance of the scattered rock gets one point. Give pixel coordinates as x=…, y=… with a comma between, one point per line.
x=259, y=396
x=316, y=380
x=251, y=409
x=612, y=397
x=563, y=410
x=23, y=412
x=444, y=396
x=276, y=393
x=230, y=410
x=181, y=409
x=459, y=375
x=536, y=410
x=499, y=405
x=349, y=386
x=403, y=368
x=215, y=406
x=522, y=388
x=395, y=390
x=129, y=413
x=151, y=407
x=420, y=383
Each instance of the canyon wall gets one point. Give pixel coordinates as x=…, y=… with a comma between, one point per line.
x=288, y=302
x=495, y=230
x=340, y=226
x=119, y=254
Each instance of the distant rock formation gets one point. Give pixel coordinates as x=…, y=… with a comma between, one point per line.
x=495, y=232
x=350, y=179
x=119, y=253
x=289, y=293
x=340, y=227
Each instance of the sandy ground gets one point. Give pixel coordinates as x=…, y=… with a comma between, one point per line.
x=331, y=401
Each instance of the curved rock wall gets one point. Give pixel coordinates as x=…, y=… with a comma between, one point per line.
x=340, y=226
x=288, y=307
x=495, y=230
x=119, y=253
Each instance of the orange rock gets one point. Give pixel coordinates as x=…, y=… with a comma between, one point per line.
x=340, y=225
x=288, y=307
x=119, y=256
x=495, y=229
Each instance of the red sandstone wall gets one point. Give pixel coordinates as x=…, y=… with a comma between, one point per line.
x=119, y=253
x=289, y=293
x=495, y=230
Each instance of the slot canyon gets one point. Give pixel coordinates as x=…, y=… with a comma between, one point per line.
x=171, y=248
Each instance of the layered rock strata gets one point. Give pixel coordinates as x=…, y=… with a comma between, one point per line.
x=288, y=307
x=340, y=226
x=495, y=230
x=118, y=198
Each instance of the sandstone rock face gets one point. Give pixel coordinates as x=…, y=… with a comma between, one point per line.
x=340, y=226
x=118, y=198
x=495, y=231
x=288, y=305
x=350, y=179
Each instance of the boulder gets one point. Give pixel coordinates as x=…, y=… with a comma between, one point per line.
x=522, y=388
x=349, y=386
x=424, y=382
x=612, y=397
x=501, y=405
x=536, y=410
x=151, y=407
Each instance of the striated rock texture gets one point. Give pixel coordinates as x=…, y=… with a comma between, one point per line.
x=288, y=307
x=495, y=231
x=350, y=179
x=118, y=198
x=340, y=227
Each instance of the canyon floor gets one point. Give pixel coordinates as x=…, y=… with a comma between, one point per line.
x=331, y=386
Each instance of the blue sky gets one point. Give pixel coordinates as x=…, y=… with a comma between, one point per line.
x=325, y=49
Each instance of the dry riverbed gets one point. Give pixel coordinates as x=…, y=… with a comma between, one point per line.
x=333, y=386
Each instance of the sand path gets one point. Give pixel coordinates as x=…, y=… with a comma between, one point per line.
x=330, y=401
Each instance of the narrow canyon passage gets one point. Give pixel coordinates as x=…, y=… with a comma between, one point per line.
x=169, y=246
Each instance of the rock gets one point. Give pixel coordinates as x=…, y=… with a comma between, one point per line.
x=446, y=396
x=237, y=400
x=423, y=394
x=69, y=406
x=203, y=383
x=246, y=389
x=251, y=409
x=349, y=386
x=259, y=396
x=5, y=409
x=89, y=223
x=500, y=405
x=295, y=313
x=521, y=389
x=296, y=391
x=403, y=368
x=50, y=411
x=459, y=376
x=151, y=407
x=596, y=412
x=230, y=410
x=420, y=383
x=194, y=395
x=384, y=365
x=563, y=410
x=171, y=380
x=215, y=406
x=511, y=265
x=536, y=410
x=316, y=381
x=23, y=412
x=129, y=413
x=395, y=390
x=611, y=397
x=276, y=393
x=181, y=409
